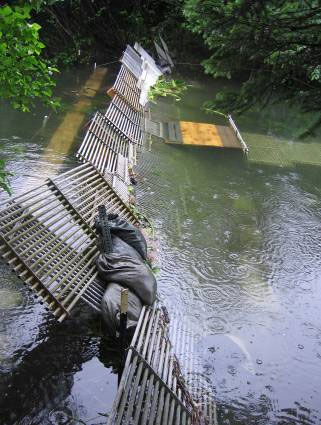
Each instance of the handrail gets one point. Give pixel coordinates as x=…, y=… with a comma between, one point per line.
x=238, y=135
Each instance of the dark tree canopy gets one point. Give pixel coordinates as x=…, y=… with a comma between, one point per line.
x=273, y=47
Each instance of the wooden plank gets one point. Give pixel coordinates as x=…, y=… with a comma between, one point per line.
x=152, y=127
x=174, y=130
x=163, y=131
x=200, y=134
x=203, y=134
x=228, y=137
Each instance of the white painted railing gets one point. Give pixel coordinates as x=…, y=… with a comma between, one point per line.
x=238, y=135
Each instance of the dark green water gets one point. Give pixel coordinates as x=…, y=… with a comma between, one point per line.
x=240, y=256
x=49, y=373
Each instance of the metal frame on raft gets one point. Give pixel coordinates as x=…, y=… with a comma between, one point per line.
x=186, y=338
x=149, y=392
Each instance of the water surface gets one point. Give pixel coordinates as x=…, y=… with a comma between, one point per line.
x=49, y=373
x=240, y=256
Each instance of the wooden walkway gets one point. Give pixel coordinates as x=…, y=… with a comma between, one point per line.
x=48, y=238
x=155, y=388
x=199, y=134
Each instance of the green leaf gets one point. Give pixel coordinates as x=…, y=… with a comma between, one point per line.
x=5, y=11
x=36, y=27
x=24, y=76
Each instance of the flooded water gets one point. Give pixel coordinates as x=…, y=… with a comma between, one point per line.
x=50, y=373
x=240, y=256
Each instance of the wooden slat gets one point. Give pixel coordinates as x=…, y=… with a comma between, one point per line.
x=203, y=134
x=228, y=137
x=47, y=237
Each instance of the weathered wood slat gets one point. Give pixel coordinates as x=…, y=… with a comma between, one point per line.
x=47, y=237
x=126, y=87
x=149, y=388
x=102, y=145
x=126, y=120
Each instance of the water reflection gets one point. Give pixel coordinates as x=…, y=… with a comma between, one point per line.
x=60, y=375
x=240, y=252
x=240, y=249
x=49, y=373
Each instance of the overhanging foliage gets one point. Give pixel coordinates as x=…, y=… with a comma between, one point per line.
x=24, y=75
x=273, y=46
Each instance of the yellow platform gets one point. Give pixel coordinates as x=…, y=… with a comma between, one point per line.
x=201, y=134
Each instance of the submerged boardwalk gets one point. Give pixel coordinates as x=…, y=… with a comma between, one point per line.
x=47, y=238
x=200, y=134
x=157, y=385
